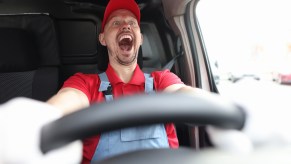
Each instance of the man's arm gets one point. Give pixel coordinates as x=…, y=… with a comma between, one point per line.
x=69, y=100
x=180, y=88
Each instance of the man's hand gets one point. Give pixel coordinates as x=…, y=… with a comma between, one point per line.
x=21, y=120
x=267, y=124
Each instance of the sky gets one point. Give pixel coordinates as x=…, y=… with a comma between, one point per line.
x=235, y=30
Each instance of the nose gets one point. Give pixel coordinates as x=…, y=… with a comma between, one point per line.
x=126, y=27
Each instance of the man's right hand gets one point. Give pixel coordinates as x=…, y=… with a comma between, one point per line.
x=21, y=120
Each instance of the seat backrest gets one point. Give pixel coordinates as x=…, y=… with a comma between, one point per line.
x=29, y=58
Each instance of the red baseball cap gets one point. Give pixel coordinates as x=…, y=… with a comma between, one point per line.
x=113, y=5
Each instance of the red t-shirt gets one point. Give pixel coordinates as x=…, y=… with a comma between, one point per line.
x=89, y=84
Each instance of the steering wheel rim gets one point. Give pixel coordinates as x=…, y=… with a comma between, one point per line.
x=199, y=109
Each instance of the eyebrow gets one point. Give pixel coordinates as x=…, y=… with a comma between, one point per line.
x=117, y=16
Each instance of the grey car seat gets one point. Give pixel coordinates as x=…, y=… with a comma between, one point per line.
x=29, y=58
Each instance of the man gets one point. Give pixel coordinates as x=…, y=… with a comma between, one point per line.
x=122, y=37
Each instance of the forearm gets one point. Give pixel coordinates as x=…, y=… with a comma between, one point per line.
x=69, y=100
x=183, y=88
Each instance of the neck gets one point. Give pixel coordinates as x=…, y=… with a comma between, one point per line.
x=124, y=72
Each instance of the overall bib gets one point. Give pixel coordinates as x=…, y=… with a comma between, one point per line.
x=129, y=139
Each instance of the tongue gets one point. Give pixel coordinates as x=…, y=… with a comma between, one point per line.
x=125, y=47
x=125, y=44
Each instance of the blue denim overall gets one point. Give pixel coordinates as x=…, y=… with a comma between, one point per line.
x=129, y=139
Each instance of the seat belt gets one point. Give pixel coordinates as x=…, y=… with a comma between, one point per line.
x=171, y=63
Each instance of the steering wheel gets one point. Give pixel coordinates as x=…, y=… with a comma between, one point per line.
x=140, y=110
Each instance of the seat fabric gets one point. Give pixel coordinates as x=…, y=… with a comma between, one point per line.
x=29, y=59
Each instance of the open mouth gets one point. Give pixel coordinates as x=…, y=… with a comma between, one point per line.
x=125, y=42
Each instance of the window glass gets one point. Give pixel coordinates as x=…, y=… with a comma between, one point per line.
x=248, y=43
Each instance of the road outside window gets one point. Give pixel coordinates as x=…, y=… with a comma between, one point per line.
x=248, y=44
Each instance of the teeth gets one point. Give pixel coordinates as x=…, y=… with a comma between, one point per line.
x=125, y=37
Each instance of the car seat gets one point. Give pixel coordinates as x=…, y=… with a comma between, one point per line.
x=29, y=57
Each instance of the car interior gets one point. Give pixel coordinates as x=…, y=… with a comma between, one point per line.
x=64, y=35
x=43, y=42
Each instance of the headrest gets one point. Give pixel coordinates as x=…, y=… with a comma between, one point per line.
x=18, y=50
x=42, y=28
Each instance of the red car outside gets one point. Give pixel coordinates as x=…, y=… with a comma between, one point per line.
x=284, y=78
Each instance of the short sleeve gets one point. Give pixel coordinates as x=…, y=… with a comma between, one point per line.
x=82, y=82
x=165, y=78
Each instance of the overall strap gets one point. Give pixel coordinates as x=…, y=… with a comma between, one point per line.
x=105, y=87
x=149, y=84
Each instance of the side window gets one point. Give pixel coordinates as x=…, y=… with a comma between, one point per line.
x=248, y=43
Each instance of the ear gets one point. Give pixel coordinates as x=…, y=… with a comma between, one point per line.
x=102, y=39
